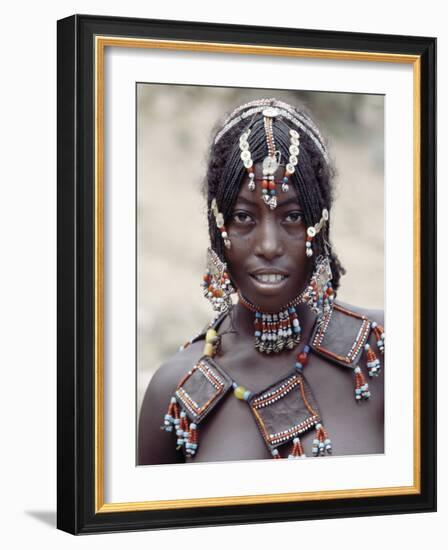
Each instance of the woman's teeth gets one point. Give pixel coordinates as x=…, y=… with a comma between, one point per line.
x=270, y=278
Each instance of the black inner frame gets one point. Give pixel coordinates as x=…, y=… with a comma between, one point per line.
x=75, y=402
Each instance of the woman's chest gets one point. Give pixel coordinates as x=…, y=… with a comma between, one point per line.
x=233, y=430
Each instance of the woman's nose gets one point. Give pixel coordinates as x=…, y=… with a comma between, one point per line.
x=268, y=239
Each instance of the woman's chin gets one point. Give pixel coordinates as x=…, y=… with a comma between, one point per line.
x=270, y=296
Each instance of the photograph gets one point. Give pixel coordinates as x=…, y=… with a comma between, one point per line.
x=270, y=205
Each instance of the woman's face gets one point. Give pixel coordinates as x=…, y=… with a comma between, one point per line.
x=267, y=260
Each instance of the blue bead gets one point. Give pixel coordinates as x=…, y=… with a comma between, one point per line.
x=257, y=333
x=285, y=179
x=257, y=314
x=299, y=366
x=306, y=349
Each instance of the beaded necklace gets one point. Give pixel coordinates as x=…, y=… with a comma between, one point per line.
x=205, y=385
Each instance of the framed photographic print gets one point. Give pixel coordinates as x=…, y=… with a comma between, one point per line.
x=243, y=214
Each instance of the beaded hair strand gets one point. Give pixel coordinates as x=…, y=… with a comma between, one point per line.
x=312, y=179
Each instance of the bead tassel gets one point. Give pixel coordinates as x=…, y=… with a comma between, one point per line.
x=192, y=441
x=361, y=386
x=297, y=449
x=321, y=443
x=373, y=363
x=378, y=330
x=171, y=416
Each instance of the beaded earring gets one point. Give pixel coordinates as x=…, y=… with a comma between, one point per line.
x=216, y=284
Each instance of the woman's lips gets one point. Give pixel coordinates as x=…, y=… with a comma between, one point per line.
x=269, y=283
x=269, y=277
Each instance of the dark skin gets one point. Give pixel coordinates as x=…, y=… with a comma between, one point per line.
x=263, y=241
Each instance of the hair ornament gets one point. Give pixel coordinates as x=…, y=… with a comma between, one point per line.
x=247, y=158
x=299, y=120
x=271, y=162
x=313, y=230
x=219, y=219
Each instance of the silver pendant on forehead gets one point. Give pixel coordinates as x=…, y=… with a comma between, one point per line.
x=270, y=165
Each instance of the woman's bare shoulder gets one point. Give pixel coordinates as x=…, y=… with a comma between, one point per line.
x=173, y=369
x=154, y=445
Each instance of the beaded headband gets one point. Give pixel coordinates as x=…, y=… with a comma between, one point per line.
x=301, y=121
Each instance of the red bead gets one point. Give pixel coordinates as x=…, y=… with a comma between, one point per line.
x=272, y=185
x=303, y=358
x=264, y=184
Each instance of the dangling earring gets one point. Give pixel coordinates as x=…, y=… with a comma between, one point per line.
x=216, y=284
x=319, y=294
x=313, y=230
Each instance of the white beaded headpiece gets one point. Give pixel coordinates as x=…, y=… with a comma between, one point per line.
x=299, y=120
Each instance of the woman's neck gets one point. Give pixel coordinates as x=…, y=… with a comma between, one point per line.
x=243, y=319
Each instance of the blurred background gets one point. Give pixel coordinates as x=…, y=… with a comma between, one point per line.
x=174, y=129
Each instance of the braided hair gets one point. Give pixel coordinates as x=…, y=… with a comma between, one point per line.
x=312, y=179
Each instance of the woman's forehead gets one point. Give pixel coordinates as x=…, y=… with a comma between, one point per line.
x=253, y=198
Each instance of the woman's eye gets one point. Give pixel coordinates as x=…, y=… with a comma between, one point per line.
x=242, y=218
x=293, y=217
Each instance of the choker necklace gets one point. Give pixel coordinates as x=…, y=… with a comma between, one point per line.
x=275, y=332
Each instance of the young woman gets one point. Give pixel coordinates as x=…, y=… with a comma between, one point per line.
x=285, y=370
